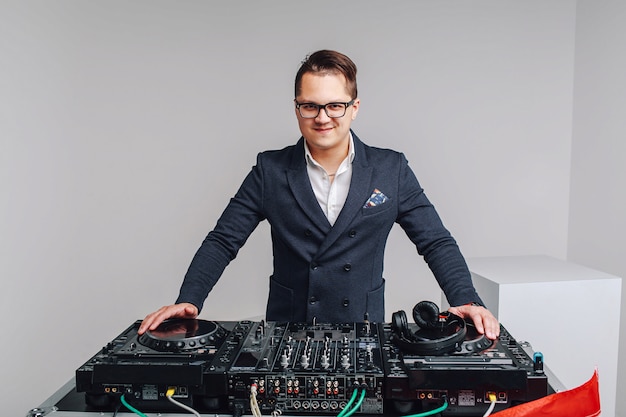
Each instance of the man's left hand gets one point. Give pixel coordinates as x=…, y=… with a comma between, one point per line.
x=483, y=320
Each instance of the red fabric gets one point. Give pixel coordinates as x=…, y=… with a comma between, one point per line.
x=582, y=401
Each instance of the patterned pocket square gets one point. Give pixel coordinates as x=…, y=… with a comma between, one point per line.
x=376, y=199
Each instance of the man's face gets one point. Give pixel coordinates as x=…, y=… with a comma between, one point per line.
x=323, y=133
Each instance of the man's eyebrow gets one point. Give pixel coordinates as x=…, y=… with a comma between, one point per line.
x=328, y=102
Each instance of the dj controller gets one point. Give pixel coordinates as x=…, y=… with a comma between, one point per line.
x=258, y=367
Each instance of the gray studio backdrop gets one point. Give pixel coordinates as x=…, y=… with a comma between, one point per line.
x=125, y=127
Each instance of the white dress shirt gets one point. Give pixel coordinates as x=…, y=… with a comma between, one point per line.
x=331, y=193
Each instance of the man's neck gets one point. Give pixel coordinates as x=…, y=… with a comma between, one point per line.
x=331, y=158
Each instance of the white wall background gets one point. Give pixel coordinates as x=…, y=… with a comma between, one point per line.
x=125, y=127
x=597, y=225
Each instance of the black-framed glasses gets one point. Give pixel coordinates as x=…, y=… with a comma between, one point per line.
x=333, y=110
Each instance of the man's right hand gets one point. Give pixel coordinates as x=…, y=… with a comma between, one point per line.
x=179, y=311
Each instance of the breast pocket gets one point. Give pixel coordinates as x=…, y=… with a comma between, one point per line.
x=369, y=211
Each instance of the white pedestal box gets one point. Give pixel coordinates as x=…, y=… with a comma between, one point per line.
x=568, y=312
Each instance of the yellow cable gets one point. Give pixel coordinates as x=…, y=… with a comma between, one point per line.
x=169, y=394
x=492, y=405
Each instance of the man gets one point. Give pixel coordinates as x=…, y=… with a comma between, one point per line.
x=331, y=201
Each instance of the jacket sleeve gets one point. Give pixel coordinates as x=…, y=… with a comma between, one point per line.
x=240, y=218
x=420, y=221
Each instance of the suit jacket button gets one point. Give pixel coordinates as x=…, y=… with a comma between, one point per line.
x=347, y=267
x=312, y=300
x=346, y=302
x=352, y=233
x=314, y=265
x=308, y=232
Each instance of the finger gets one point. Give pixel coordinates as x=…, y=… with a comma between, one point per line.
x=145, y=323
x=153, y=320
x=493, y=331
x=491, y=325
x=477, y=318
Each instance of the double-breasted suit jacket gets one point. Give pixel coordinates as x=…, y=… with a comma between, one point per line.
x=323, y=272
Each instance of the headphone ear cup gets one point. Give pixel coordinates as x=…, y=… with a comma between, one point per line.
x=439, y=333
x=426, y=314
x=400, y=325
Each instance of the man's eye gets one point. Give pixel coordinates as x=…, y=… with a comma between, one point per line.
x=335, y=106
x=308, y=106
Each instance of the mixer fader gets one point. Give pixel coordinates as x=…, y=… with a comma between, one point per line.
x=298, y=368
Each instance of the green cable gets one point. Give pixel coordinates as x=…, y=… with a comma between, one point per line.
x=357, y=405
x=431, y=412
x=131, y=408
x=347, y=407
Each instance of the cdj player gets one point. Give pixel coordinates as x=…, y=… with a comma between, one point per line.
x=257, y=367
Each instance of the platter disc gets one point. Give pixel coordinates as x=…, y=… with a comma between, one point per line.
x=183, y=334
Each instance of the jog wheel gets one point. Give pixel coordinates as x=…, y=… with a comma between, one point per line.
x=183, y=334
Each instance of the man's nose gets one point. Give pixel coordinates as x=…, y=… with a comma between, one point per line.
x=322, y=117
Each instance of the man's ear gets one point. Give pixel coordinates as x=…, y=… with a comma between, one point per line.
x=355, y=107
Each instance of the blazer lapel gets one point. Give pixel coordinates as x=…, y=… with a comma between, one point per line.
x=360, y=190
x=300, y=185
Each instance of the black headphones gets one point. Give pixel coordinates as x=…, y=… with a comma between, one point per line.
x=439, y=333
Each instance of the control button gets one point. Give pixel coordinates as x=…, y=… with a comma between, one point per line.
x=538, y=362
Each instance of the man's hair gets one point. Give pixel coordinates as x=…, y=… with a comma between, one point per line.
x=328, y=62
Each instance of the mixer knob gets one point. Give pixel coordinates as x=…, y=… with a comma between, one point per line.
x=284, y=362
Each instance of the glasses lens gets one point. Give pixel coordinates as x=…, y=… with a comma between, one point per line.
x=309, y=110
x=336, y=109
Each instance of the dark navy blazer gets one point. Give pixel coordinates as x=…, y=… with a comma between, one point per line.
x=329, y=273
